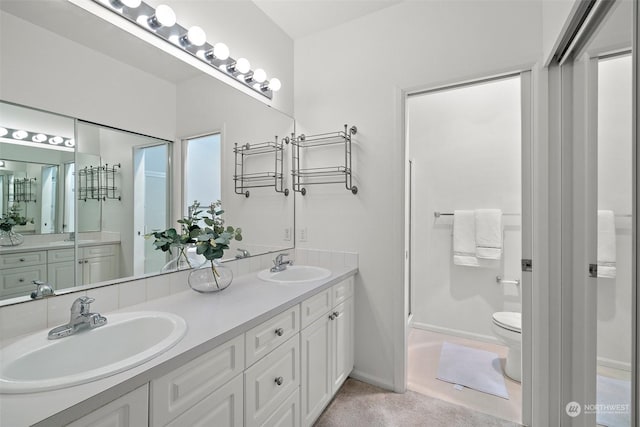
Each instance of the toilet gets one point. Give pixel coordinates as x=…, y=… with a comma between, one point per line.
x=507, y=326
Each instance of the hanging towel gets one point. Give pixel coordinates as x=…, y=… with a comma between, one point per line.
x=488, y=226
x=464, y=239
x=606, y=244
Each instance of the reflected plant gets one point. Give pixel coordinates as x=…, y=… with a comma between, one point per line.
x=13, y=217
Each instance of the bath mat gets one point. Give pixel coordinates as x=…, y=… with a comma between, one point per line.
x=472, y=368
x=613, y=395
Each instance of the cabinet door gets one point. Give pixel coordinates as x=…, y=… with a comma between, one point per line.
x=61, y=275
x=316, y=380
x=342, y=339
x=99, y=269
x=129, y=410
x=222, y=408
x=16, y=282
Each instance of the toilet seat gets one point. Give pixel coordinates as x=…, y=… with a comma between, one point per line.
x=508, y=320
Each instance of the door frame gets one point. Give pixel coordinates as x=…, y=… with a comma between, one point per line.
x=531, y=286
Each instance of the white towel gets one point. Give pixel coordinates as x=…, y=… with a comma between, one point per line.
x=488, y=226
x=606, y=244
x=464, y=239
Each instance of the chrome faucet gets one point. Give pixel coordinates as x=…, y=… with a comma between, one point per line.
x=81, y=318
x=42, y=290
x=243, y=253
x=279, y=264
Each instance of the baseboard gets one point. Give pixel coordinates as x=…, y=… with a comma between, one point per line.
x=457, y=333
x=370, y=379
x=615, y=364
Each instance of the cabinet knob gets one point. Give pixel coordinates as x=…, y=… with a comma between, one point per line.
x=86, y=261
x=279, y=380
x=279, y=332
x=21, y=259
x=80, y=262
x=331, y=316
x=336, y=314
x=20, y=280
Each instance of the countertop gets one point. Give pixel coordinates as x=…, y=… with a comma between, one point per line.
x=59, y=244
x=212, y=319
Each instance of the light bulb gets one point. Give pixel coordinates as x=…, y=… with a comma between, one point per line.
x=70, y=142
x=3, y=131
x=131, y=3
x=39, y=137
x=196, y=36
x=163, y=17
x=243, y=66
x=56, y=140
x=221, y=51
x=259, y=75
x=20, y=134
x=2, y=163
x=275, y=85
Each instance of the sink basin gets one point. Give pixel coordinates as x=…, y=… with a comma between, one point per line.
x=295, y=274
x=35, y=363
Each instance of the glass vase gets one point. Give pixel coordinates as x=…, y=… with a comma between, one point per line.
x=185, y=260
x=10, y=238
x=210, y=277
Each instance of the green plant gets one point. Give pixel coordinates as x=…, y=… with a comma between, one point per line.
x=211, y=239
x=12, y=218
x=214, y=238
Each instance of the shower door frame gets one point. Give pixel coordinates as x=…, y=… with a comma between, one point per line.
x=531, y=285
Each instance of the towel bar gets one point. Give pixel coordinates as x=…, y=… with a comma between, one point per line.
x=507, y=282
x=439, y=214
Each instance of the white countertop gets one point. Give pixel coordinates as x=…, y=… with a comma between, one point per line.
x=59, y=244
x=212, y=319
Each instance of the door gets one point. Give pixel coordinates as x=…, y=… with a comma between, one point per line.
x=599, y=234
x=49, y=199
x=151, y=189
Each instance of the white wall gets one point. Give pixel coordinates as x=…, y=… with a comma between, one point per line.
x=353, y=74
x=44, y=70
x=615, y=193
x=465, y=145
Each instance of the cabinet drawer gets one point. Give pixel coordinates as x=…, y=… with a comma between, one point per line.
x=314, y=307
x=61, y=255
x=270, y=381
x=174, y=393
x=19, y=281
x=270, y=334
x=222, y=408
x=288, y=414
x=23, y=259
x=342, y=291
x=98, y=251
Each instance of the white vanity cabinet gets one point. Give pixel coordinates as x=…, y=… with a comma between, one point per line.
x=98, y=264
x=18, y=270
x=130, y=410
x=326, y=347
x=201, y=390
x=60, y=268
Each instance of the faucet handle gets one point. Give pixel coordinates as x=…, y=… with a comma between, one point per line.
x=81, y=306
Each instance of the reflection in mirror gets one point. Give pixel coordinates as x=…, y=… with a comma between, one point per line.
x=122, y=187
x=109, y=232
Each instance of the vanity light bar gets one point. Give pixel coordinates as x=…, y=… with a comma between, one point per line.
x=20, y=135
x=162, y=22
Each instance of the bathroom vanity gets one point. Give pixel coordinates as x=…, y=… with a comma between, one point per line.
x=258, y=353
x=55, y=263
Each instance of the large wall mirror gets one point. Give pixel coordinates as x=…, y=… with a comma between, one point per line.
x=122, y=174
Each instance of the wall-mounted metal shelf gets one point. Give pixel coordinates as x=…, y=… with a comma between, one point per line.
x=98, y=183
x=323, y=175
x=24, y=190
x=272, y=178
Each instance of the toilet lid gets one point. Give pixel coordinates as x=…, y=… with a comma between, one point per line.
x=508, y=320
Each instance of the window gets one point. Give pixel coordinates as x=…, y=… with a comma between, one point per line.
x=202, y=170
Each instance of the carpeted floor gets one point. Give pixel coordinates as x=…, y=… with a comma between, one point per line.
x=360, y=404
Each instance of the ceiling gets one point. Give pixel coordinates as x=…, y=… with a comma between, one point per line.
x=300, y=18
